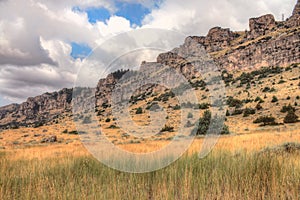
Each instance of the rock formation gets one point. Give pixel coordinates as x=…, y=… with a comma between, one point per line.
x=261, y=26
x=267, y=43
x=294, y=20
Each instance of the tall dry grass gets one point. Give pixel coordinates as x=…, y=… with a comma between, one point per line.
x=221, y=175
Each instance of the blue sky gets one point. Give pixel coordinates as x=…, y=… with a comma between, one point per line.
x=134, y=12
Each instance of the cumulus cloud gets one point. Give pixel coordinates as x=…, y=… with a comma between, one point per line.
x=196, y=17
x=35, y=38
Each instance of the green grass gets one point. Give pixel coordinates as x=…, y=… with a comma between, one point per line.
x=219, y=176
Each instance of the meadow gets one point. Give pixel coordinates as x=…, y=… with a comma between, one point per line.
x=269, y=174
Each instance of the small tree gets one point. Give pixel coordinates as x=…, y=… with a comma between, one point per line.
x=288, y=108
x=190, y=115
x=274, y=99
x=139, y=110
x=258, y=106
x=249, y=111
x=291, y=117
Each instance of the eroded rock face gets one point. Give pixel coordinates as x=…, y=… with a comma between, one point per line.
x=280, y=51
x=218, y=38
x=262, y=46
x=37, y=109
x=294, y=20
x=261, y=25
x=297, y=9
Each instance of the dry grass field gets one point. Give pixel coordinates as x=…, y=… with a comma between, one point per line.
x=252, y=162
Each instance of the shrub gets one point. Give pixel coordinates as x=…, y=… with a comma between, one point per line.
x=281, y=82
x=107, y=120
x=203, y=124
x=73, y=132
x=266, y=89
x=225, y=130
x=204, y=106
x=249, y=111
x=167, y=129
x=258, y=106
x=232, y=102
x=227, y=113
x=177, y=107
x=113, y=126
x=190, y=115
x=291, y=117
x=260, y=100
x=139, y=110
x=237, y=112
x=265, y=120
x=288, y=108
x=274, y=99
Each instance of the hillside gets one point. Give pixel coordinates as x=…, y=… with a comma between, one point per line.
x=268, y=54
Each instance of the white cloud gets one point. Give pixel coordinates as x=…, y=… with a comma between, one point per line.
x=35, y=39
x=197, y=17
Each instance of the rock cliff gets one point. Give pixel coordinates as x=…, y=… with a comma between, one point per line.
x=267, y=43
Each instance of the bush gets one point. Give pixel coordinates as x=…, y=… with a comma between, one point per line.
x=265, y=120
x=107, y=120
x=204, y=106
x=232, y=102
x=259, y=100
x=113, y=126
x=203, y=123
x=139, y=110
x=258, y=106
x=237, y=112
x=167, y=129
x=291, y=117
x=73, y=133
x=225, y=130
x=266, y=89
x=249, y=111
x=190, y=115
x=177, y=107
x=288, y=108
x=274, y=99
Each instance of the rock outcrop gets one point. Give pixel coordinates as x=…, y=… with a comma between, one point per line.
x=294, y=20
x=267, y=43
x=261, y=26
x=37, y=110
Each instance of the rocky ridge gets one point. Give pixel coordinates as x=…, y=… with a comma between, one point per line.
x=267, y=43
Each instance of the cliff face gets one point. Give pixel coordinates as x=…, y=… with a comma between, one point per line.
x=294, y=20
x=42, y=108
x=267, y=43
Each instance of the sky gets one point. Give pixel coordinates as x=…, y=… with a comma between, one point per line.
x=43, y=43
